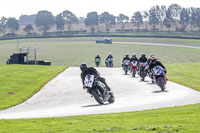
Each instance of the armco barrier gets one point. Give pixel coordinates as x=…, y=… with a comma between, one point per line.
x=70, y=36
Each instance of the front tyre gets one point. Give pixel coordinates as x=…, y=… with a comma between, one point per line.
x=98, y=96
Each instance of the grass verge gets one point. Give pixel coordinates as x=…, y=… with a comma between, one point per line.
x=187, y=74
x=19, y=82
x=183, y=119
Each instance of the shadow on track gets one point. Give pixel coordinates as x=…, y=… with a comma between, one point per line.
x=159, y=91
x=95, y=105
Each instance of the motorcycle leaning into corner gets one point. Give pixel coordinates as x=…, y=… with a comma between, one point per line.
x=98, y=89
x=133, y=68
x=159, y=77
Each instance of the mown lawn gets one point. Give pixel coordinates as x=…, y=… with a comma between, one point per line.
x=185, y=119
x=187, y=74
x=19, y=82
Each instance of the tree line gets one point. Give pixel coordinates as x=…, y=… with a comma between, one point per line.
x=173, y=16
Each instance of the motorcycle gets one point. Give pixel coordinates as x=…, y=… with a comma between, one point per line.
x=97, y=62
x=126, y=66
x=142, y=71
x=133, y=68
x=98, y=89
x=159, y=77
x=109, y=62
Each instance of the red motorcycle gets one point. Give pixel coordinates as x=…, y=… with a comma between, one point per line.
x=134, y=67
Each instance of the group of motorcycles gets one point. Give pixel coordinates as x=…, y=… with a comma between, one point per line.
x=100, y=92
x=157, y=74
x=108, y=62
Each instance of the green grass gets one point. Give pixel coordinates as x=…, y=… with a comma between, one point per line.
x=74, y=51
x=22, y=81
x=187, y=74
x=177, y=119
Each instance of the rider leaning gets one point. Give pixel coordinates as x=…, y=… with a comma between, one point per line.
x=91, y=70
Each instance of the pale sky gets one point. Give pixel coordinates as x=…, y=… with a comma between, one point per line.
x=15, y=8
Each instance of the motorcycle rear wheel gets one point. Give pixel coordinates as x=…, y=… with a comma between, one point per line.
x=98, y=96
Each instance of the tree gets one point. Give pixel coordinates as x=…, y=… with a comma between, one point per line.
x=69, y=19
x=137, y=19
x=28, y=28
x=122, y=20
x=161, y=13
x=175, y=10
x=108, y=20
x=60, y=23
x=184, y=18
x=153, y=17
x=92, y=20
x=198, y=18
x=168, y=19
x=146, y=19
x=195, y=17
x=44, y=20
x=13, y=24
x=3, y=25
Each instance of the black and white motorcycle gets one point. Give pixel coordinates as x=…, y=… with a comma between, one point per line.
x=98, y=89
x=126, y=66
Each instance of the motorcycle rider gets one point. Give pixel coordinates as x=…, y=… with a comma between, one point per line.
x=154, y=62
x=134, y=58
x=108, y=57
x=142, y=58
x=149, y=60
x=97, y=58
x=125, y=58
x=91, y=70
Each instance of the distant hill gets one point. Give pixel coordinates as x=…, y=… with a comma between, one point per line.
x=27, y=19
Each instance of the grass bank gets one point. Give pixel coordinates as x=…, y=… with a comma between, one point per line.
x=185, y=119
x=19, y=82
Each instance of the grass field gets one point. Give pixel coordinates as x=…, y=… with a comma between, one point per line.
x=19, y=82
x=74, y=51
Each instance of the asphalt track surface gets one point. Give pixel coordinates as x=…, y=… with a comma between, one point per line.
x=64, y=96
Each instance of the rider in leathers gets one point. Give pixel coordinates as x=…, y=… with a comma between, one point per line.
x=134, y=58
x=142, y=59
x=154, y=62
x=91, y=70
x=125, y=58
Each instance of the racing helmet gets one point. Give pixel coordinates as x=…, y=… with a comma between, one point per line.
x=153, y=59
x=126, y=54
x=143, y=55
x=152, y=55
x=83, y=67
x=134, y=55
